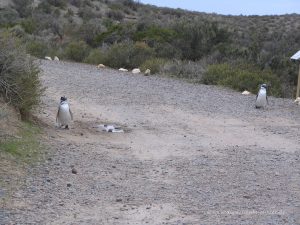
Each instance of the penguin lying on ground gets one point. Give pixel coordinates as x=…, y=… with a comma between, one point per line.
x=262, y=98
x=64, y=114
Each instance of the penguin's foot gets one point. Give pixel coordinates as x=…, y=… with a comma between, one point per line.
x=67, y=127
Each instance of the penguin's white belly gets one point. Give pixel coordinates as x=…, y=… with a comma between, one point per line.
x=64, y=116
x=261, y=100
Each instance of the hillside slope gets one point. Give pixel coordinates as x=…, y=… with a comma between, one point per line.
x=190, y=154
x=125, y=33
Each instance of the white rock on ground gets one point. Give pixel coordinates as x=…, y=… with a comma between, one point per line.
x=147, y=72
x=56, y=58
x=246, y=93
x=101, y=66
x=123, y=70
x=136, y=70
x=48, y=57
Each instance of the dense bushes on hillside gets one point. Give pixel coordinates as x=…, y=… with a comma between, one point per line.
x=19, y=81
x=175, y=42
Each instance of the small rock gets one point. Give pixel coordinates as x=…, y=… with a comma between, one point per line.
x=118, y=200
x=136, y=70
x=147, y=72
x=246, y=92
x=69, y=185
x=74, y=171
x=101, y=66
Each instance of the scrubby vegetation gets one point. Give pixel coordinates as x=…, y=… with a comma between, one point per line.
x=125, y=33
x=19, y=81
x=241, y=77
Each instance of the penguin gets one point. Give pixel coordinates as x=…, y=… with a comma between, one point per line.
x=64, y=114
x=262, y=97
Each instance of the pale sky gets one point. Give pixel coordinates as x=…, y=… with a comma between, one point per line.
x=233, y=7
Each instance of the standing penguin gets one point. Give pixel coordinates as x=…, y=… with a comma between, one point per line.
x=64, y=114
x=261, y=97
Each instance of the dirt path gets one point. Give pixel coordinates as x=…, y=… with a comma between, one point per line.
x=190, y=154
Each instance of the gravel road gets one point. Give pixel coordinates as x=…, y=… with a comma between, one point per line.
x=190, y=154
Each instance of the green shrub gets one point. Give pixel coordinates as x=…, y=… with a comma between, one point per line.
x=154, y=64
x=95, y=57
x=115, y=15
x=241, y=77
x=24, y=7
x=29, y=25
x=128, y=55
x=8, y=17
x=37, y=48
x=58, y=3
x=77, y=51
x=17, y=31
x=19, y=80
x=184, y=69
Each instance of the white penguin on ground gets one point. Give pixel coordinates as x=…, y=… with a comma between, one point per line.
x=261, y=97
x=64, y=113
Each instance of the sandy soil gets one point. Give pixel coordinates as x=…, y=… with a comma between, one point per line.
x=190, y=154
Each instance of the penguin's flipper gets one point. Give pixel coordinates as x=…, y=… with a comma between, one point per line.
x=71, y=114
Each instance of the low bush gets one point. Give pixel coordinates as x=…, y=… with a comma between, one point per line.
x=154, y=64
x=37, y=49
x=58, y=3
x=95, y=57
x=128, y=55
x=8, y=17
x=241, y=77
x=19, y=75
x=77, y=51
x=29, y=25
x=184, y=69
x=115, y=15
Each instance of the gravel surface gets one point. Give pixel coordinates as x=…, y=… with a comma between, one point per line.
x=190, y=154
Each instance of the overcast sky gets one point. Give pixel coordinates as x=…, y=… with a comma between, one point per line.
x=233, y=7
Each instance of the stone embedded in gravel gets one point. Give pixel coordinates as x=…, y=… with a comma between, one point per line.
x=118, y=200
x=74, y=171
x=69, y=185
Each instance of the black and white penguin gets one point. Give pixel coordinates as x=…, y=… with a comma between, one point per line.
x=64, y=114
x=262, y=97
